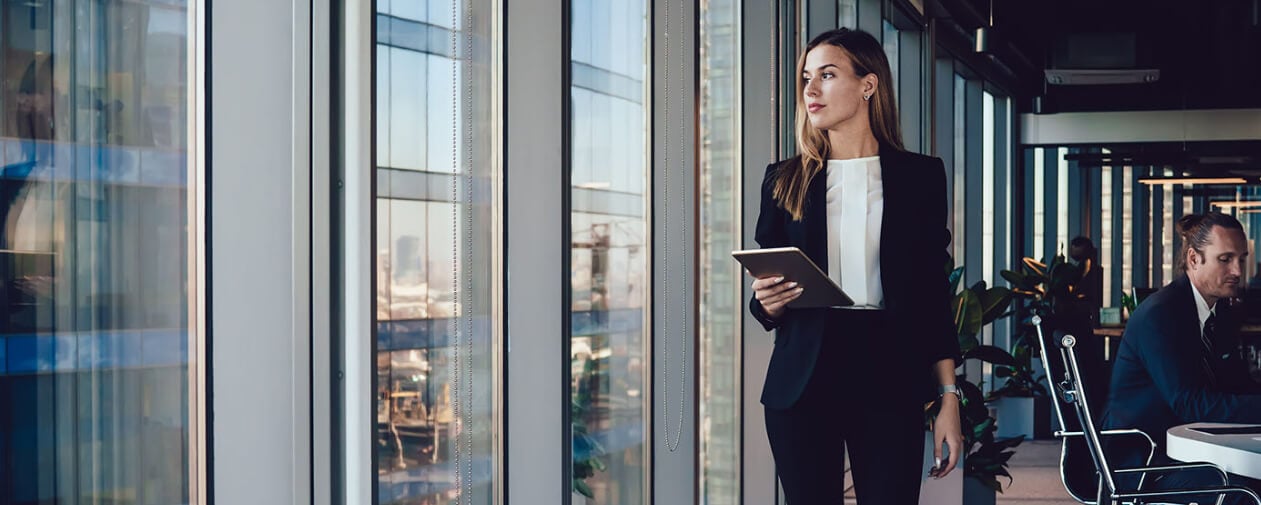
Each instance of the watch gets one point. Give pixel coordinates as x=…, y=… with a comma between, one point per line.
x=945, y=389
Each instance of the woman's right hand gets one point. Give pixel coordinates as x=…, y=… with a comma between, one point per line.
x=774, y=294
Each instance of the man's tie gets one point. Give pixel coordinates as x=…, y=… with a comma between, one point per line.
x=1210, y=355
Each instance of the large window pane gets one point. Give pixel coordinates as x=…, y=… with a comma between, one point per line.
x=436, y=181
x=960, y=170
x=94, y=252
x=1105, y=242
x=987, y=197
x=1039, y=205
x=720, y=234
x=609, y=255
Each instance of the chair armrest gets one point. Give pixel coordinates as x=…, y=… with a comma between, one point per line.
x=1141, y=433
x=1218, y=490
x=1151, y=447
x=1175, y=468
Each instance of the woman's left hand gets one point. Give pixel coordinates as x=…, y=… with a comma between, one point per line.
x=946, y=429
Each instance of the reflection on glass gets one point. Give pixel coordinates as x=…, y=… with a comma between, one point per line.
x=720, y=281
x=94, y=235
x=609, y=255
x=436, y=352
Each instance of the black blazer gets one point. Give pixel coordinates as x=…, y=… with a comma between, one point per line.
x=1158, y=379
x=913, y=241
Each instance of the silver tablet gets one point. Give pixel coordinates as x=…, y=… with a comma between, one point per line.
x=794, y=265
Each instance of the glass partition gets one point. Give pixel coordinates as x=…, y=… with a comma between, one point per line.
x=95, y=234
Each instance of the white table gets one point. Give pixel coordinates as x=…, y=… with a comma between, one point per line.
x=1237, y=454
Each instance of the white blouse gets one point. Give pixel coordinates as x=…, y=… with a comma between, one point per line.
x=855, y=206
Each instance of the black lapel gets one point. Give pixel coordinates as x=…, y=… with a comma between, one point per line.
x=815, y=220
x=889, y=219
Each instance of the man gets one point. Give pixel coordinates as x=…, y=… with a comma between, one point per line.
x=1081, y=252
x=1178, y=361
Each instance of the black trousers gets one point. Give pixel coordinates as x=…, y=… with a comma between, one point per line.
x=843, y=405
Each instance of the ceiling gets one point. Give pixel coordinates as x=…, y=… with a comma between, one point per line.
x=1208, y=51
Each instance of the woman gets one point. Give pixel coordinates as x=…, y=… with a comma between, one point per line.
x=873, y=216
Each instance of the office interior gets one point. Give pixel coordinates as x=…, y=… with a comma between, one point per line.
x=478, y=251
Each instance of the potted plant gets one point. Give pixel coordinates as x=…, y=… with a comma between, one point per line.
x=1050, y=291
x=985, y=455
x=1022, y=400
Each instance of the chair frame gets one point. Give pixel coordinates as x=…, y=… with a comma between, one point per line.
x=1070, y=391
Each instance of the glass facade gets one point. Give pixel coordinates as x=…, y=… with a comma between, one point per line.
x=609, y=255
x=435, y=253
x=721, y=307
x=95, y=251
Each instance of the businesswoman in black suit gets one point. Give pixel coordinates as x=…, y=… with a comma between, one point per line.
x=873, y=216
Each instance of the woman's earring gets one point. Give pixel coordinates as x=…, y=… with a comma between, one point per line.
x=866, y=97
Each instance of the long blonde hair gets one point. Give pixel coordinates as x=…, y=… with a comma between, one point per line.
x=867, y=56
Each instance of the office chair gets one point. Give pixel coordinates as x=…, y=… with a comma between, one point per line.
x=1071, y=392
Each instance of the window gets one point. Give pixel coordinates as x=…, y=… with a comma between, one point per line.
x=1105, y=240
x=987, y=196
x=95, y=334
x=435, y=243
x=1170, y=256
x=1127, y=231
x=1039, y=204
x=721, y=307
x=610, y=251
x=847, y=13
x=960, y=168
x=1062, y=197
x=891, y=51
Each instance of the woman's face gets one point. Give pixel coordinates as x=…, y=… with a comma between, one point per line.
x=831, y=91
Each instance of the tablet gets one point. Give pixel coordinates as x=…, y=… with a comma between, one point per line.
x=795, y=266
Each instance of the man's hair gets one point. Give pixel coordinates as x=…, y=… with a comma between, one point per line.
x=1195, y=230
x=1081, y=245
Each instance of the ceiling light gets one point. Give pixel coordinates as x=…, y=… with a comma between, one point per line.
x=1237, y=205
x=1168, y=181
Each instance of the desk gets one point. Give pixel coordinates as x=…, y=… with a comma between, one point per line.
x=1245, y=331
x=1237, y=454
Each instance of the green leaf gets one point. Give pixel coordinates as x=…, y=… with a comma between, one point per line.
x=1013, y=277
x=967, y=313
x=994, y=303
x=978, y=289
x=582, y=488
x=955, y=276
x=967, y=343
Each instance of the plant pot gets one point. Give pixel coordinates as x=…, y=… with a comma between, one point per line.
x=947, y=491
x=578, y=498
x=1024, y=415
x=975, y=493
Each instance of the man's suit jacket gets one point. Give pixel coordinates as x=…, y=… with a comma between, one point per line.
x=1158, y=379
x=913, y=241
